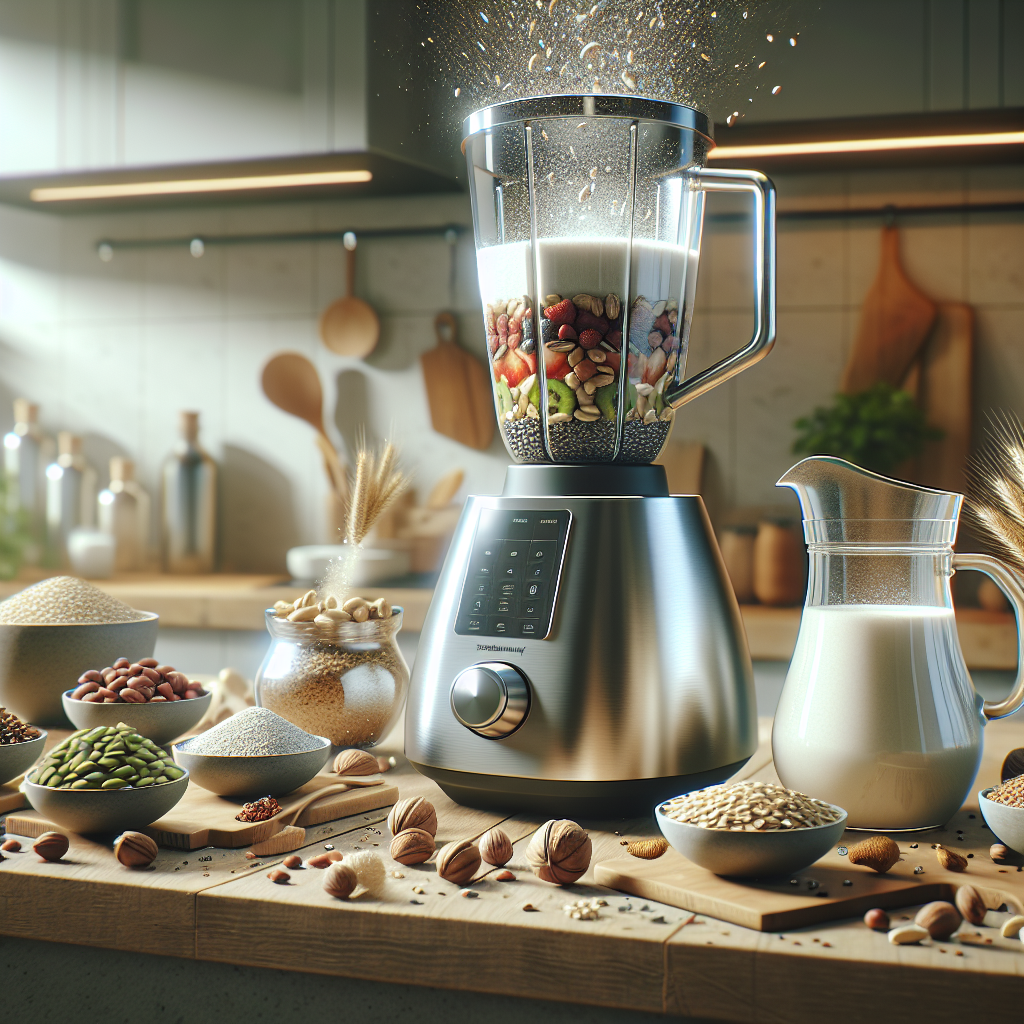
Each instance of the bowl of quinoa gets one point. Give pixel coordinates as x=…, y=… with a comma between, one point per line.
x=52, y=632
x=1002, y=807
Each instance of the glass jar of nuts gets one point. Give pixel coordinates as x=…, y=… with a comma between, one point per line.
x=337, y=673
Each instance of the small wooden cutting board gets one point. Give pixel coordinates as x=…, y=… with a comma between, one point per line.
x=202, y=818
x=771, y=905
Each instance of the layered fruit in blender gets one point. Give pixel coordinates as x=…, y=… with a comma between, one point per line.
x=589, y=412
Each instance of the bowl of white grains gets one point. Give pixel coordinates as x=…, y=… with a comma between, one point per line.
x=253, y=753
x=1002, y=807
x=750, y=829
x=52, y=632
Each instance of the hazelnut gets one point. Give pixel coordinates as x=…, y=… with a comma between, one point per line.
x=940, y=919
x=559, y=852
x=51, y=845
x=355, y=762
x=293, y=861
x=950, y=860
x=997, y=851
x=135, y=850
x=412, y=846
x=458, y=862
x=877, y=920
x=11, y=846
x=413, y=812
x=279, y=876
x=878, y=853
x=495, y=847
x=970, y=904
x=339, y=881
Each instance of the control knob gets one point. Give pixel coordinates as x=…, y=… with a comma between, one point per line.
x=491, y=699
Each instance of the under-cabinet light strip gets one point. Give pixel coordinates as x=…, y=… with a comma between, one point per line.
x=865, y=145
x=191, y=185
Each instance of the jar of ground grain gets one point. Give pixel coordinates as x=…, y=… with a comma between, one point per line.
x=343, y=680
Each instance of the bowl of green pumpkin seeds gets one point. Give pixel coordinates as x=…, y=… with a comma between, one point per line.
x=105, y=779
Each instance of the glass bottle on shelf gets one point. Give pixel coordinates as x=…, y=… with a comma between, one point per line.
x=123, y=512
x=70, y=492
x=27, y=453
x=189, y=504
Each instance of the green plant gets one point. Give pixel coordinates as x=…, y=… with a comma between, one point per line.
x=876, y=429
x=14, y=533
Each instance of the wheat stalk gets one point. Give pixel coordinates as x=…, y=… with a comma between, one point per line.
x=376, y=483
x=995, y=499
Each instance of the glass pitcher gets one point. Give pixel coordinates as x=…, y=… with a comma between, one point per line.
x=878, y=713
x=588, y=213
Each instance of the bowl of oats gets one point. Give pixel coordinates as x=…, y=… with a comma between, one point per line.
x=750, y=829
x=52, y=632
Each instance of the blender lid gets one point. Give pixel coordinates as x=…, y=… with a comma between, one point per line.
x=637, y=108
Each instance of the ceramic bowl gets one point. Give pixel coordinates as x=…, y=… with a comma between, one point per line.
x=110, y=810
x=38, y=663
x=160, y=722
x=751, y=854
x=17, y=758
x=1007, y=823
x=250, y=777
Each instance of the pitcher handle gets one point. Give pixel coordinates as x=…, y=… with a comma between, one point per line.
x=1011, y=585
x=760, y=345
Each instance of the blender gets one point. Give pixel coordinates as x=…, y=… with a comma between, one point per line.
x=583, y=651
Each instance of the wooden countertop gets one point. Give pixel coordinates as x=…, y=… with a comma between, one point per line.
x=215, y=905
x=237, y=601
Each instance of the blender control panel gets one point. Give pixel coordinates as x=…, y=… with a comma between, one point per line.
x=513, y=574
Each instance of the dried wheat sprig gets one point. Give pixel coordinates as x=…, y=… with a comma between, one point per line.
x=377, y=483
x=995, y=498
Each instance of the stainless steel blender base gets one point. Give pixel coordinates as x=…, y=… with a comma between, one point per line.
x=627, y=798
x=638, y=683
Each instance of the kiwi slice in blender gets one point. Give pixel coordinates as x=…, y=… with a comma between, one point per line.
x=505, y=402
x=604, y=399
x=560, y=398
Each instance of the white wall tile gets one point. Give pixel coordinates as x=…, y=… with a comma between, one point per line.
x=996, y=254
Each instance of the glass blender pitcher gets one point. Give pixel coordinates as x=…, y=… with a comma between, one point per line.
x=588, y=213
x=878, y=713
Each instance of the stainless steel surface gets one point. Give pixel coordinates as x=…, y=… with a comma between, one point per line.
x=636, y=108
x=843, y=503
x=763, y=193
x=491, y=699
x=188, y=519
x=531, y=481
x=645, y=675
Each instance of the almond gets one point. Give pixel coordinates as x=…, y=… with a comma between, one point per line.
x=878, y=853
x=950, y=860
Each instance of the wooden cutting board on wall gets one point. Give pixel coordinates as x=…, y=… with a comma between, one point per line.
x=458, y=389
x=941, y=378
x=894, y=322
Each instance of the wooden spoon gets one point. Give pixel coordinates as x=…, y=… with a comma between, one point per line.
x=349, y=326
x=291, y=382
x=894, y=322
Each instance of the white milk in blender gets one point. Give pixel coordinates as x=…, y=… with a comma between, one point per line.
x=878, y=715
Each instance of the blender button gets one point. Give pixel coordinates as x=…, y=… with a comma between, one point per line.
x=533, y=609
x=500, y=624
x=508, y=572
x=503, y=606
x=543, y=551
x=539, y=571
x=514, y=551
x=484, y=571
x=529, y=627
x=474, y=624
x=481, y=588
x=534, y=589
x=509, y=590
x=478, y=605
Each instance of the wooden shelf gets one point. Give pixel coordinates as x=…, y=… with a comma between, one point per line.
x=654, y=957
x=988, y=639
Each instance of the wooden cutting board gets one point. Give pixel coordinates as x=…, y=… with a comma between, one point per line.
x=778, y=905
x=202, y=818
x=894, y=322
x=11, y=798
x=458, y=390
x=941, y=378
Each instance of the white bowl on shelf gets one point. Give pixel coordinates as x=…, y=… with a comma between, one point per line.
x=308, y=563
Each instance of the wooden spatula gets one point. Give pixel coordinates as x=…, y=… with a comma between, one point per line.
x=459, y=393
x=894, y=322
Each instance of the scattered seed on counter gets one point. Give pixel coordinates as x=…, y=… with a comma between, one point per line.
x=262, y=809
x=280, y=877
x=292, y=862
x=254, y=732
x=469, y=894
x=11, y=846
x=505, y=876
x=65, y=599
x=587, y=909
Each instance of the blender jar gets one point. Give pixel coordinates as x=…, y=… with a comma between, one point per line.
x=588, y=213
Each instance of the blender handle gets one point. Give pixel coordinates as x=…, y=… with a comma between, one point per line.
x=760, y=345
x=1011, y=585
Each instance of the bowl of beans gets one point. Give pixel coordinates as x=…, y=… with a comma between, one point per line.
x=750, y=829
x=156, y=700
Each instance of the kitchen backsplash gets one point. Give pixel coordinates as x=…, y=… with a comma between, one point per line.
x=112, y=350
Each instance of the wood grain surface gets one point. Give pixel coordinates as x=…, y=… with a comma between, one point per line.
x=640, y=953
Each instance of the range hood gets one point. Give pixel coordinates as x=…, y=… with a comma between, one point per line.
x=147, y=103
